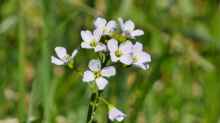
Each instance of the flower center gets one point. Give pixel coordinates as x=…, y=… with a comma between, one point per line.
x=135, y=59
x=118, y=53
x=93, y=43
x=127, y=33
x=97, y=74
x=106, y=30
x=66, y=58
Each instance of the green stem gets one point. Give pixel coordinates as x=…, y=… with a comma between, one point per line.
x=103, y=100
x=45, y=70
x=91, y=108
x=94, y=100
x=21, y=66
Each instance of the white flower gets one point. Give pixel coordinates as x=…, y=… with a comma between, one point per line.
x=116, y=115
x=128, y=28
x=106, y=27
x=92, y=41
x=98, y=74
x=140, y=58
x=120, y=53
x=63, y=57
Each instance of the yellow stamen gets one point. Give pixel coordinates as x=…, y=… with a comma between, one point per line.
x=93, y=43
x=118, y=53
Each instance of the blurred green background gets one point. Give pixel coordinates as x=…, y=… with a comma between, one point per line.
x=181, y=86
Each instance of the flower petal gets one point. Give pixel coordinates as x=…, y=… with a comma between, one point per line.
x=126, y=59
x=100, y=47
x=112, y=45
x=126, y=47
x=129, y=26
x=97, y=34
x=108, y=71
x=142, y=66
x=86, y=36
x=114, y=58
x=137, y=47
x=137, y=32
x=74, y=53
x=100, y=22
x=95, y=65
x=143, y=57
x=101, y=83
x=56, y=61
x=86, y=45
x=115, y=114
x=61, y=53
x=88, y=76
x=111, y=25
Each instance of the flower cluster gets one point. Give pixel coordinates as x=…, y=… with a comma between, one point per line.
x=116, y=40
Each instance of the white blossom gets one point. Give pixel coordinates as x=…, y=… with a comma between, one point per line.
x=98, y=74
x=106, y=27
x=62, y=56
x=120, y=52
x=92, y=40
x=139, y=57
x=128, y=28
x=116, y=115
